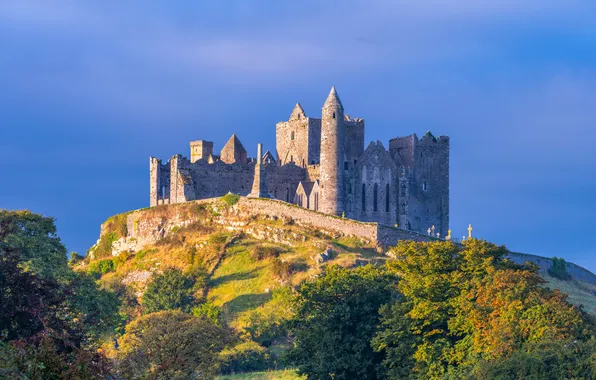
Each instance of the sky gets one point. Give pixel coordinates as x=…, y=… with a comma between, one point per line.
x=89, y=90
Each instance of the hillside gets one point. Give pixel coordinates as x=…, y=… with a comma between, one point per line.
x=253, y=255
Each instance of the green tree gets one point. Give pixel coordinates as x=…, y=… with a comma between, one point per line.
x=171, y=345
x=169, y=290
x=463, y=305
x=336, y=318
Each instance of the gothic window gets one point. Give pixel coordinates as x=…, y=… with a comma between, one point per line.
x=387, y=198
x=316, y=201
x=292, y=135
x=423, y=186
x=334, y=115
x=375, y=197
x=363, y=197
x=291, y=158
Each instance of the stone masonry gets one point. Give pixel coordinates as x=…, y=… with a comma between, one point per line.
x=323, y=165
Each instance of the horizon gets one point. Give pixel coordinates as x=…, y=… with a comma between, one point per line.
x=91, y=91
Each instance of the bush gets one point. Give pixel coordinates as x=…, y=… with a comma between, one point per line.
x=558, y=269
x=282, y=269
x=121, y=258
x=104, y=247
x=101, y=267
x=260, y=252
x=245, y=357
x=231, y=199
x=170, y=290
x=210, y=312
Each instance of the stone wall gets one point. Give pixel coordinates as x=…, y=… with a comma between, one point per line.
x=544, y=263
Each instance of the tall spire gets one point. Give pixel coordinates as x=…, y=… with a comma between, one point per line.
x=333, y=100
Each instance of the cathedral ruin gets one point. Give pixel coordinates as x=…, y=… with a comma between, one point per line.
x=321, y=164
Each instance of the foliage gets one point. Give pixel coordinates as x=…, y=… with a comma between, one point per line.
x=121, y=258
x=558, y=269
x=169, y=290
x=556, y=360
x=74, y=259
x=281, y=269
x=245, y=357
x=171, y=345
x=336, y=318
x=100, y=267
x=266, y=324
x=210, y=312
x=104, y=247
x=34, y=238
x=261, y=252
x=465, y=305
x=286, y=374
x=231, y=199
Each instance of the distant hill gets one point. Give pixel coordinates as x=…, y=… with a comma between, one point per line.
x=250, y=252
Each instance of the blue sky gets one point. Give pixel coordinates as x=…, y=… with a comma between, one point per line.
x=89, y=90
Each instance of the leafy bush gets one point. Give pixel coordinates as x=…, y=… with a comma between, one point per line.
x=245, y=357
x=281, y=269
x=209, y=311
x=169, y=290
x=101, y=267
x=260, y=252
x=558, y=269
x=171, y=345
x=231, y=199
x=104, y=247
x=218, y=238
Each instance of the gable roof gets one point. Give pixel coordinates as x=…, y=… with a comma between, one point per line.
x=233, y=151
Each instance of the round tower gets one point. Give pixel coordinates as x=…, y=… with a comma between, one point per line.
x=332, y=155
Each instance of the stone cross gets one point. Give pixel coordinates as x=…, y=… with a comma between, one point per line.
x=433, y=229
x=438, y=235
x=448, y=237
x=428, y=231
x=470, y=231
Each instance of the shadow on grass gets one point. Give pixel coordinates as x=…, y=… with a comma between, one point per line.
x=234, y=277
x=247, y=301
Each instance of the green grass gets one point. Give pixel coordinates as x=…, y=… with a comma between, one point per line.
x=269, y=375
x=580, y=293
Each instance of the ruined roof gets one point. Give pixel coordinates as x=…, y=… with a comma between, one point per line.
x=268, y=157
x=307, y=187
x=233, y=151
x=333, y=100
x=298, y=112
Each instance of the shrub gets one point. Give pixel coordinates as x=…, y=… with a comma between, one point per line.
x=245, y=357
x=121, y=258
x=211, y=312
x=231, y=199
x=260, y=252
x=282, y=269
x=104, y=247
x=558, y=269
x=219, y=238
x=101, y=267
x=168, y=291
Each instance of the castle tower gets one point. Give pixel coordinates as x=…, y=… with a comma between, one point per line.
x=259, y=186
x=332, y=155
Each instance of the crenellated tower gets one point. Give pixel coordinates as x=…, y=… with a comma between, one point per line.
x=332, y=155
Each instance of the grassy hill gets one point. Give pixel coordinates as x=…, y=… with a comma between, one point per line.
x=253, y=263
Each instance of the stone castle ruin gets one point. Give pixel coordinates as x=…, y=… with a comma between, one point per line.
x=321, y=164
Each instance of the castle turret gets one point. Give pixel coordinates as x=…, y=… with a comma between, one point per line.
x=332, y=155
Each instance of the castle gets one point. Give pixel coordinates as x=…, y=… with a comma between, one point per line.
x=321, y=164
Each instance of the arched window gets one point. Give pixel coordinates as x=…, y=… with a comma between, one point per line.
x=291, y=158
x=334, y=115
x=387, y=198
x=376, y=197
x=292, y=135
x=316, y=201
x=423, y=186
x=363, y=197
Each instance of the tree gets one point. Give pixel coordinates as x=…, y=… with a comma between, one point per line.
x=172, y=345
x=169, y=290
x=336, y=318
x=464, y=305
